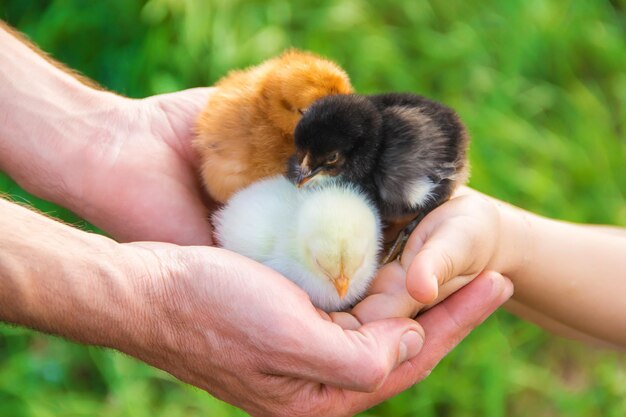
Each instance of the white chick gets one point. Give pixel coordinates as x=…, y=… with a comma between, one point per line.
x=256, y=217
x=324, y=238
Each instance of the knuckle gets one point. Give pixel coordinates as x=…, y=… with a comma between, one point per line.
x=473, y=201
x=479, y=205
x=373, y=375
x=309, y=400
x=447, y=264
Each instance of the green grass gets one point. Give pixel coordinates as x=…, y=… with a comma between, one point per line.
x=541, y=86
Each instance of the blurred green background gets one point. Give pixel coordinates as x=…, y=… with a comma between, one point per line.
x=540, y=84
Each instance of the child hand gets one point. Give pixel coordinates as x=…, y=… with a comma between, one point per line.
x=458, y=240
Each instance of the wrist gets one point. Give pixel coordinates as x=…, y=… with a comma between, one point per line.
x=514, y=249
x=86, y=146
x=166, y=290
x=63, y=281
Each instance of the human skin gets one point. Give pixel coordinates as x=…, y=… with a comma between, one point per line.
x=210, y=317
x=124, y=165
x=248, y=336
x=569, y=278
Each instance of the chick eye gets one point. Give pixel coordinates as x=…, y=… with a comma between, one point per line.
x=333, y=158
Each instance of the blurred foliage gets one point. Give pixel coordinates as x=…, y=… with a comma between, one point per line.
x=540, y=84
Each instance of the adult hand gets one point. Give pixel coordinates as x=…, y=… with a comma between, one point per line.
x=252, y=338
x=249, y=336
x=211, y=318
x=125, y=165
x=138, y=175
x=218, y=320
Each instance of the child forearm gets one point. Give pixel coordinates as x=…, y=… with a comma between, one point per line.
x=566, y=275
x=574, y=274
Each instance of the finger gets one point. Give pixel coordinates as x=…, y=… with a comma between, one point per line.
x=347, y=321
x=391, y=278
x=385, y=306
x=448, y=323
x=445, y=326
x=358, y=360
x=449, y=288
x=445, y=254
x=388, y=297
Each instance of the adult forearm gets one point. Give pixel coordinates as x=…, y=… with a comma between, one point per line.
x=64, y=281
x=574, y=274
x=47, y=118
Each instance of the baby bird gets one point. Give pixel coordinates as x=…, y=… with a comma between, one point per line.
x=245, y=132
x=406, y=152
x=325, y=239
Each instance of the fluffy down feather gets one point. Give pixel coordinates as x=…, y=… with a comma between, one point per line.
x=408, y=153
x=245, y=132
x=312, y=235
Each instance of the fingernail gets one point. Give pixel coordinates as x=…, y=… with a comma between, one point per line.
x=410, y=345
x=407, y=256
x=499, y=285
x=405, y=260
x=509, y=288
x=501, y=289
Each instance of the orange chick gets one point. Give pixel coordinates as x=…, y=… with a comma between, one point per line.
x=245, y=132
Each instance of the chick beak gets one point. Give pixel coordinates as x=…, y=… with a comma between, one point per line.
x=342, y=283
x=304, y=177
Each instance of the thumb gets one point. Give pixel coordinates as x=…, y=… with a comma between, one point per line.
x=357, y=360
x=182, y=109
x=446, y=325
x=433, y=259
x=189, y=101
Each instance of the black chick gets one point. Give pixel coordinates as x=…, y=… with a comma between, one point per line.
x=406, y=151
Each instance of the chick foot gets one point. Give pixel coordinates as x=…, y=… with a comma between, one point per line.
x=396, y=248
